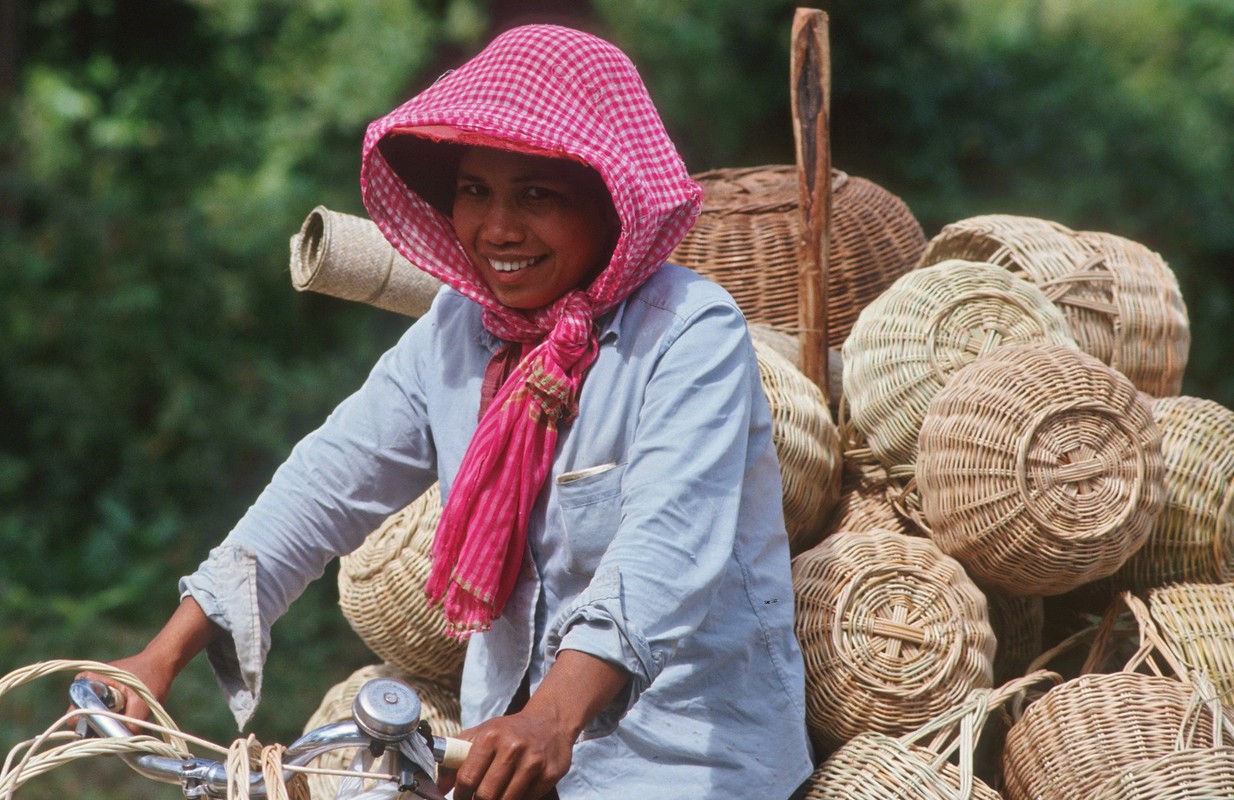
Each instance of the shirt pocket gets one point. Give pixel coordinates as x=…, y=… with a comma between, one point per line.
x=590, y=503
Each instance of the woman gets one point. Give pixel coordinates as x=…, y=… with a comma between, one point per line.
x=612, y=541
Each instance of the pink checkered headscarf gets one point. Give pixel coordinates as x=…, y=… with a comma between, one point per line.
x=544, y=90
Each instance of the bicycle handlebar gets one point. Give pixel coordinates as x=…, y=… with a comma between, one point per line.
x=385, y=714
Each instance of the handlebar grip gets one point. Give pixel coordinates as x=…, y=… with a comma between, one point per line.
x=455, y=752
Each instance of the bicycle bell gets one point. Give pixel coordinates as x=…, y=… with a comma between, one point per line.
x=386, y=709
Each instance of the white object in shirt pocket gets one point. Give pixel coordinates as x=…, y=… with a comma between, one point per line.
x=590, y=502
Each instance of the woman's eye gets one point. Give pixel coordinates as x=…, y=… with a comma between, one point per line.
x=538, y=193
x=471, y=189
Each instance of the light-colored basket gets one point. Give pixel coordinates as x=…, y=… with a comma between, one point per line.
x=1193, y=538
x=439, y=707
x=1085, y=733
x=893, y=632
x=788, y=345
x=807, y=445
x=1121, y=299
x=1196, y=620
x=748, y=234
x=1040, y=469
x=381, y=593
x=1187, y=773
x=931, y=322
x=918, y=765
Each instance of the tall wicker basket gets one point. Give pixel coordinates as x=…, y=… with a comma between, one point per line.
x=747, y=240
x=893, y=631
x=1193, y=538
x=1040, y=469
x=1122, y=300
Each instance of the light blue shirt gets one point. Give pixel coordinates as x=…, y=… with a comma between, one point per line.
x=658, y=543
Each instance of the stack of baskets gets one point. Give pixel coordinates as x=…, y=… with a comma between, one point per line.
x=1009, y=428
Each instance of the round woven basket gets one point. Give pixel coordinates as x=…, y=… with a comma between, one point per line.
x=893, y=632
x=747, y=239
x=1196, y=620
x=1121, y=300
x=1193, y=538
x=1191, y=773
x=1040, y=469
x=931, y=322
x=807, y=445
x=1081, y=737
x=918, y=765
x=439, y=707
x=381, y=593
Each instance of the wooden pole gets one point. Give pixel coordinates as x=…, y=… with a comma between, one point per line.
x=811, y=94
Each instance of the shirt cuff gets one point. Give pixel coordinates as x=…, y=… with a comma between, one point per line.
x=595, y=623
x=225, y=586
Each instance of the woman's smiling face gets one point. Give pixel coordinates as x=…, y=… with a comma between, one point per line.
x=534, y=227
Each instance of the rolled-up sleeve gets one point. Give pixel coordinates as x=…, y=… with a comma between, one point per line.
x=681, y=497
x=372, y=456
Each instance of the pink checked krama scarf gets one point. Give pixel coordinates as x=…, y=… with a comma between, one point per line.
x=550, y=91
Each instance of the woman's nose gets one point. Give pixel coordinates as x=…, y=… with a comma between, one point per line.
x=501, y=224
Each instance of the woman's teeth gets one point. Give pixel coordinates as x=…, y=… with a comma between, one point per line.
x=511, y=266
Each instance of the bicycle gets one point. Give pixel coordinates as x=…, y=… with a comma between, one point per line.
x=385, y=729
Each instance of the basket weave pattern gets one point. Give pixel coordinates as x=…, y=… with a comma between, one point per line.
x=931, y=322
x=1191, y=540
x=381, y=593
x=807, y=445
x=893, y=631
x=746, y=239
x=1040, y=469
x=1121, y=299
x=1196, y=620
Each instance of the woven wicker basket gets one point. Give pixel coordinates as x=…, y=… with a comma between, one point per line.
x=864, y=504
x=747, y=239
x=1040, y=469
x=439, y=707
x=893, y=631
x=1080, y=737
x=1018, y=622
x=1188, y=773
x=807, y=445
x=381, y=593
x=918, y=765
x=1121, y=299
x=1193, y=538
x=1196, y=621
x=908, y=342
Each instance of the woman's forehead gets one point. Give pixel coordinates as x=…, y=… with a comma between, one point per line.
x=510, y=165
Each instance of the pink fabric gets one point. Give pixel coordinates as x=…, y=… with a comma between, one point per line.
x=560, y=92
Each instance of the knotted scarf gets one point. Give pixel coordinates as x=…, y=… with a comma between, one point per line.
x=553, y=91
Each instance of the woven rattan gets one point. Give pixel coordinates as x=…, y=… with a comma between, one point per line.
x=1196, y=621
x=381, y=593
x=347, y=257
x=1193, y=538
x=929, y=323
x=1083, y=735
x=439, y=707
x=1121, y=299
x=1040, y=469
x=919, y=765
x=788, y=345
x=807, y=444
x=893, y=631
x=1193, y=773
x=747, y=239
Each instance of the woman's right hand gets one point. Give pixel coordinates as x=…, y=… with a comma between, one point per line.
x=184, y=636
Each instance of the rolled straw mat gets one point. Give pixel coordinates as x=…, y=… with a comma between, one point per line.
x=347, y=257
x=893, y=632
x=381, y=593
x=439, y=707
x=1040, y=469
